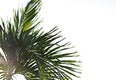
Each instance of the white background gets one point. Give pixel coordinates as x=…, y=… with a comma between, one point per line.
x=93, y=26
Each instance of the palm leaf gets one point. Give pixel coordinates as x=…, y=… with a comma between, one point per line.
x=32, y=52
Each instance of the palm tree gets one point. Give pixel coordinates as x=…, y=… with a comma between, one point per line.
x=32, y=52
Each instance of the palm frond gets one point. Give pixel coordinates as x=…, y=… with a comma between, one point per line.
x=36, y=54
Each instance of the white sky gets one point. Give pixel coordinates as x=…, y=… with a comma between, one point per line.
x=93, y=26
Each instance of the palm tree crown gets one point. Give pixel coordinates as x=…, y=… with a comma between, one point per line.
x=34, y=53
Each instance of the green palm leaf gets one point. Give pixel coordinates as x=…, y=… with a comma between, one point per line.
x=36, y=54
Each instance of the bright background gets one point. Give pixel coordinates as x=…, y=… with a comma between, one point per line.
x=93, y=26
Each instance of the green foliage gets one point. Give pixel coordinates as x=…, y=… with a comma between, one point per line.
x=36, y=54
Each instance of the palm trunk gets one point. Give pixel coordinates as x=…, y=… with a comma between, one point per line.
x=11, y=59
x=8, y=77
x=9, y=73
